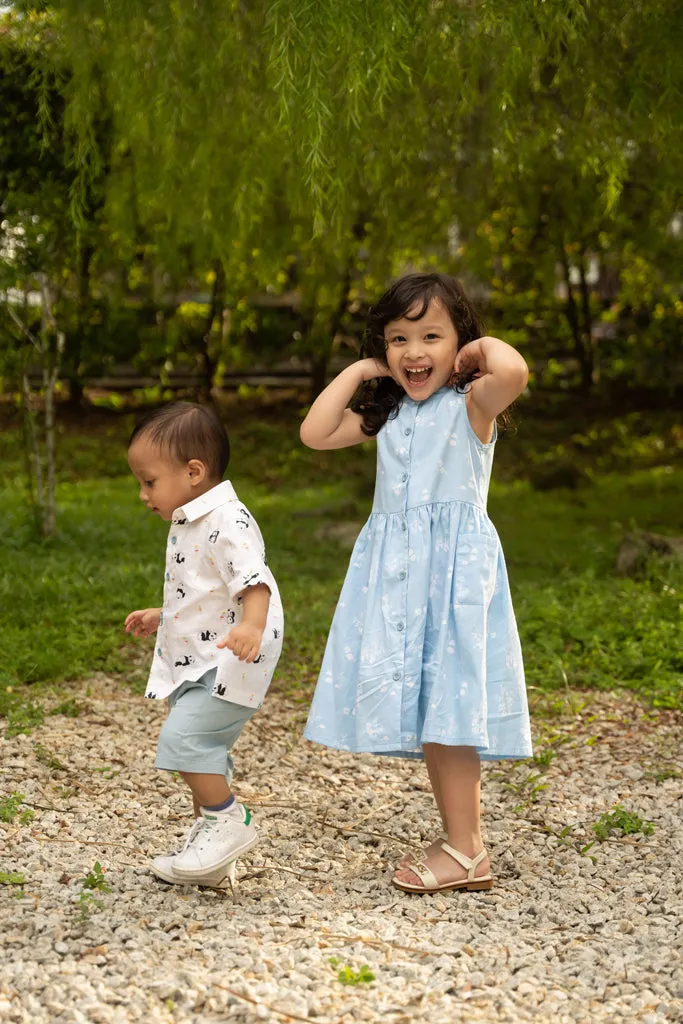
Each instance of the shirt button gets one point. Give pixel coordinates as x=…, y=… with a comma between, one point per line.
x=404, y=526
x=404, y=477
x=396, y=676
x=407, y=431
x=400, y=627
x=402, y=574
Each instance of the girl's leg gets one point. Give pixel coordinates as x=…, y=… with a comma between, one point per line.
x=432, y=771
x=457, y=772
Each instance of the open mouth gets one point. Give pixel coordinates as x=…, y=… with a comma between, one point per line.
x=417, y=376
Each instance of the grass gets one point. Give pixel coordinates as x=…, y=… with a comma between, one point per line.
x=64, y=600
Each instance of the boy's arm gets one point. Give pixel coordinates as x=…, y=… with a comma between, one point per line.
x=329, y=424
x=143, y=622
x=244, y=640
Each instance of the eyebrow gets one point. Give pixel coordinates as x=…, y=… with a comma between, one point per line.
x=427, y=327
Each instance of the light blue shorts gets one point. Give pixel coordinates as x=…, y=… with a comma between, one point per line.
x=200, y=730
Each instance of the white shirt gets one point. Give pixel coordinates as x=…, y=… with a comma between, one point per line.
x=215, y=550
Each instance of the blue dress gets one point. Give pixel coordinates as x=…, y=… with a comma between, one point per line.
x=424, y=646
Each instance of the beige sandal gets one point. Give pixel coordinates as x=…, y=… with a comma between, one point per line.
x=409, y=859
x=431, y=884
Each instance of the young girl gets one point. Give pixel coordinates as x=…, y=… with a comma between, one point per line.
x=423, y=658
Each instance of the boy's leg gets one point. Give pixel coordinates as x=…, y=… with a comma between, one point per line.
x=457, y=772
x=196, y=740
x=207, y=790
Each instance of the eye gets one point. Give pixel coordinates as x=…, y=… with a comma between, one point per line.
x=148, y=483
x=432, y=336
x=398, y=339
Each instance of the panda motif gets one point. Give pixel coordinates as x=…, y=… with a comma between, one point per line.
x=179, y=522
x=187, y=659
x=249, y=578
x=230, y=567
x=213, y=537
x=207, y=635
x=243, y=521
x=261, y=657
x=220, y=690
x=276, y=634
x=180, y=591
x=179, y=557
x=151, y=696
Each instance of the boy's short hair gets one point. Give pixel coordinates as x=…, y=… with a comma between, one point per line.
x=187, y=431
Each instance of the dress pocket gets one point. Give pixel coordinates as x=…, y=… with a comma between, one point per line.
x=476, y=560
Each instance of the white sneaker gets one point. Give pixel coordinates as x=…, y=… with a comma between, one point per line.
x=214, y=842
x=162, y=867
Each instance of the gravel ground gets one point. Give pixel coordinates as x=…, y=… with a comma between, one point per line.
x=567, y=934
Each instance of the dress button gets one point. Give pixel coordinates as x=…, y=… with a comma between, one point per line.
x=400, y=627
x=402, y=574
x=396, y=676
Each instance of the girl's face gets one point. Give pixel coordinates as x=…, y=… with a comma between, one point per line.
x=421, y=353
x=165, y=485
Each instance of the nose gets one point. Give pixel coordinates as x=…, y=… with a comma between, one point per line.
x=143, y=494
x=414, y=349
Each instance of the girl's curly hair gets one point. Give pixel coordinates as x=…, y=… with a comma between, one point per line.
x=379, y=399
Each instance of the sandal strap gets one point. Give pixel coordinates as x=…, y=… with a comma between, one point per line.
x=427, y=877
x=470, y=864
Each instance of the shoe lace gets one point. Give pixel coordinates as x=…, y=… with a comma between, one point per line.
x=194, y=831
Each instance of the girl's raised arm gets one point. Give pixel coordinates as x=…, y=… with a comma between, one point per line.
x=503, y=375
x=329, y=424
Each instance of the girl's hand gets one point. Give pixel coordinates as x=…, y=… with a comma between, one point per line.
x=471, y=359
x=244, y=641
x=502, y=376
x=371, y=368
x=143, y=623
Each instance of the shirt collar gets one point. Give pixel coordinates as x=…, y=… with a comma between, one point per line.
x=206, y=502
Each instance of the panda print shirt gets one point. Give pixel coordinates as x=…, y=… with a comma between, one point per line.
x=215, y=551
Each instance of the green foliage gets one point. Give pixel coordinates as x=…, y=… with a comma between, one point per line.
x=46, y=757
x=621, y=821
x=11, y=878
x=86, y=905
x=348, y=976
x=95, y=879
x=10, y=809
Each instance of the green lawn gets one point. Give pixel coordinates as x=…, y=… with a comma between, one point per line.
x=64, y=601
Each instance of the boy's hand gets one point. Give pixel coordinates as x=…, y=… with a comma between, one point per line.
x=244, y=641
x=143, y=623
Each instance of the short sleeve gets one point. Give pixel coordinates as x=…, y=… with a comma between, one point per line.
x=240, y=555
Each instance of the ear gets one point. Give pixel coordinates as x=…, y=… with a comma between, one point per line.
x=196, y=471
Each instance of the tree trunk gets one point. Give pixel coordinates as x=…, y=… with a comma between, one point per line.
x=587, y=327
x=75, y=347
x=321, y=358
x=581, y=349
x=208, y=360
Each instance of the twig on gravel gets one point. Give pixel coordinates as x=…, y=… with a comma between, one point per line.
x=366, y=832
x=259, y=1002
x=331, y=937
x=382, y=807
x=260, y=869
x=88, y=842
